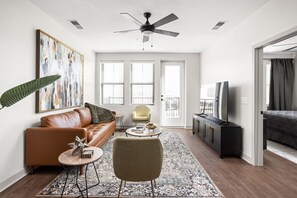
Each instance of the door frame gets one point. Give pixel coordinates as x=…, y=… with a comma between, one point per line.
x=259, y=84
x=182, y=90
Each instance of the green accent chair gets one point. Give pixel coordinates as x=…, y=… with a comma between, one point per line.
x=141, y=114
x=137, y=159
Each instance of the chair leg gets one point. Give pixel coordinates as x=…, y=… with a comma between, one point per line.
x=155, y=183
x=125, y=183
x=152, y=188
x=120, y=188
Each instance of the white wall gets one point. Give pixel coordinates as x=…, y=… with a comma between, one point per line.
x=18, y=22
x=192, y=62
x=231, y=58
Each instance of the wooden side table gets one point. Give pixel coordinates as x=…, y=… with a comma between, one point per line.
x=119, y=118
x=66, y=159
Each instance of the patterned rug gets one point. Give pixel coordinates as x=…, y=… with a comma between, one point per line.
x=181, y=176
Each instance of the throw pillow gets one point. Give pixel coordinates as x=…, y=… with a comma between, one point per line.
x=100, y=114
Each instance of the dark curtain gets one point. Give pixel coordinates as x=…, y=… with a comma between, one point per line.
x=281, y=84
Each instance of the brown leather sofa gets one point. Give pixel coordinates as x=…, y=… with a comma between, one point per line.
x=44, y=144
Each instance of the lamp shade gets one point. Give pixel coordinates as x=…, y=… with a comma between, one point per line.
x=19, y=92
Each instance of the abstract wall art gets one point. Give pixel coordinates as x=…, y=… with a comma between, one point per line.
x=54, y=57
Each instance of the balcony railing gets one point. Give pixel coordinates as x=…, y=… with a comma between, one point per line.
x=206, y=106
x=142, y=100
x=172, y=107
x=113, y=100
x=172, y=104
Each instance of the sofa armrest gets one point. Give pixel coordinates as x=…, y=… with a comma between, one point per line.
x=43, y=145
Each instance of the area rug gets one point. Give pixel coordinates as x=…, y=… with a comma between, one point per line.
x=181, y=176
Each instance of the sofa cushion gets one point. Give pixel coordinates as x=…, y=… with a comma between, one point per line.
x=69, y=119
x=85, y=116
x=100, y=132
x=95, y=128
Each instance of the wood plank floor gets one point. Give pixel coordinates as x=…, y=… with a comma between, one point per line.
x=233, y=176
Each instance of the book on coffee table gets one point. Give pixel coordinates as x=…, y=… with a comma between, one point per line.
x=137, y=130
x=87, y=154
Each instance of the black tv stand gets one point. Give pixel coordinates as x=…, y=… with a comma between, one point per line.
x=224, y=137
x=202, y=115
x=213, y=119
x=225, y=123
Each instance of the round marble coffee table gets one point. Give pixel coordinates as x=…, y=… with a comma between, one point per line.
x=66, y=159
x=144, y=132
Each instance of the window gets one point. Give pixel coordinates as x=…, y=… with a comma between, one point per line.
x=267, y=64
x=142, y=83
x=112, y=82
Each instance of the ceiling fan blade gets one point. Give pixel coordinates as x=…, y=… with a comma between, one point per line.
x=290, y=49
x=131, y=18
x=171, y=17
x=125, y=31
x=167, y=33
x=145, y=38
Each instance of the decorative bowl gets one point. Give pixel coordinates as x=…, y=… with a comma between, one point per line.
x=150, y=125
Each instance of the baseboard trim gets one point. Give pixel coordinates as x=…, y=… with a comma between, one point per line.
x=246, y=158
x=12, y=179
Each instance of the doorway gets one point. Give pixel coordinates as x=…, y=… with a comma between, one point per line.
x=172, y=94
x=260, y=91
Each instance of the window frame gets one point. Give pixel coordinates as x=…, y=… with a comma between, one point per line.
x=131, y=83
x=102, y=83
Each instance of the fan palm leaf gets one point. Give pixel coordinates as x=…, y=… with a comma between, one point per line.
x=19, y=92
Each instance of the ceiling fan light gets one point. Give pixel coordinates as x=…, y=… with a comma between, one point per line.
x=147, y=32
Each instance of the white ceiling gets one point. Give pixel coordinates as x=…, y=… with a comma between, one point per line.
x=100, y=18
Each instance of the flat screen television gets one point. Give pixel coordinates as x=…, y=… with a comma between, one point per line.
x=214, y=100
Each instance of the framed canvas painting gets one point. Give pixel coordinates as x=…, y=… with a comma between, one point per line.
x=54, y=57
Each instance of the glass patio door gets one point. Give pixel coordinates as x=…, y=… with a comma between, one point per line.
x=172, y=94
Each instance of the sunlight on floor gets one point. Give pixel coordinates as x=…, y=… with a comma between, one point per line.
x=282, y=150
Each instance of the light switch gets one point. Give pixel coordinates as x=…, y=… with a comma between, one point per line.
x=244, y=100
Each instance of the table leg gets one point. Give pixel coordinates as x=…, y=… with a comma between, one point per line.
x=86, y=180
x=121, y=124
x=76, y=181
x=96, y=174
x=65, y=181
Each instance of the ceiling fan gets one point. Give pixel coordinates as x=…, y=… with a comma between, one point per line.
x=147, y=29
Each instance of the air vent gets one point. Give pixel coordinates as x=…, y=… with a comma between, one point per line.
x=76, y=24
x=218, y=25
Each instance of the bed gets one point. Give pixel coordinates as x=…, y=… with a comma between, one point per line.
x=281, y=126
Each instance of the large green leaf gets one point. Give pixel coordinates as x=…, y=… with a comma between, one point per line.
x=19, y=92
